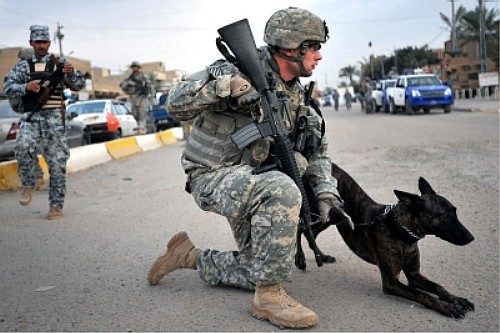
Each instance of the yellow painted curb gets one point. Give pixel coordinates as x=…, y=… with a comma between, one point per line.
x=9, y=180
x=123, y=147
x=167, y=137
x=8, y=176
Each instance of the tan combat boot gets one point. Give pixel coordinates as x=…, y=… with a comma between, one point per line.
x=55, y=213
x=273, y=304
x=26, y=193
x=181, y=253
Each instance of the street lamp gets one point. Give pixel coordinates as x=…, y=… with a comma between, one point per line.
x=371, y=61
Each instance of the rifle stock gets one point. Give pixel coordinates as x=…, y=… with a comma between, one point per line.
x=238, y=37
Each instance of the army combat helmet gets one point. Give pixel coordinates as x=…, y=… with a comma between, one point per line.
x=293, y=28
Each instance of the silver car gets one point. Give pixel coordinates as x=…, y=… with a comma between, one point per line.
x=9, y=126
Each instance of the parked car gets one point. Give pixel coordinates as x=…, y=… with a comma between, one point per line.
x=105, y=119
x=9, y=127
x=160, y=119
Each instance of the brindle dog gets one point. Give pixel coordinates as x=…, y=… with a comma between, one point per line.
x=387, y=236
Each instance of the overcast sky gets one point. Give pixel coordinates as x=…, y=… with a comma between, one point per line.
x=181, y=33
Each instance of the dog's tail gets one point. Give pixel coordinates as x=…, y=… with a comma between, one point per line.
x=351, y=193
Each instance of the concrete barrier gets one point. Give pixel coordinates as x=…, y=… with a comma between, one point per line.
x=87, y=156
x=9, y=180
x=123, y=148
x=149, y=142
x=8, y=176
x=167, y=137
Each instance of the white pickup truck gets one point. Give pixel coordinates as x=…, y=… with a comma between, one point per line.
x=419, y=91
x=380, y=94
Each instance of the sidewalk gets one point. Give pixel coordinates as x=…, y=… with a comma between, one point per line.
x=476, y=104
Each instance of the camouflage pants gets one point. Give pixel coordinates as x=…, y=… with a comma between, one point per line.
x=45, y=134
x=140, y=109
x=263, y=212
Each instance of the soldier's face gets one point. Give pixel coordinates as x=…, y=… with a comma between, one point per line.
x=311, y=59
x=41, y=48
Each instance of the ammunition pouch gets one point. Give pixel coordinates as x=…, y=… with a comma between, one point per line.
x=30, y=100
x=307, y=137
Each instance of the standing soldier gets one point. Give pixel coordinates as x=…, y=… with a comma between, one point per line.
x=137, y=85
x=35, y=85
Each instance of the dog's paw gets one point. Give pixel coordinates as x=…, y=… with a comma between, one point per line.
x=464, y=303
x=300, y=262
x=453, y=310
x=328, y=259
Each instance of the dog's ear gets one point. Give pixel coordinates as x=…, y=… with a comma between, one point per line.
x=424, y=186
x=411, y=198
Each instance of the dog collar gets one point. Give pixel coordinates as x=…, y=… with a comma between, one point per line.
x=397, y=229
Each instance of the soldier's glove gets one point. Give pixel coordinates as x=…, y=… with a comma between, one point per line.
x=242, y=91
x=331, y=207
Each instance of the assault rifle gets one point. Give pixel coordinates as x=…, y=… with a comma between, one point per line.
x=141, y=87
x=238, y=37
x=47, y=88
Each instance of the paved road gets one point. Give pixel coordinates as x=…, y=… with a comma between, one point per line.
x=88, y=271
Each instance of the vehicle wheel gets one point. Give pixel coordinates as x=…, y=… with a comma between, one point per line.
x=368, y=107
x=392, y=106
x=447, y=108
x=408, y=108
x=377, y=108
x=85, y=139
x=117, y=134
x=427, y=110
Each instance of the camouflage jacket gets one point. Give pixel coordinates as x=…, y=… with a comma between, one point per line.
x=137, y=85
x=16, y=80
x=208, y=92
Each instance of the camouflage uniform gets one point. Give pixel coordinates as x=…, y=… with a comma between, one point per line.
x=262, y=210
x=44, y=129
x=139, y=88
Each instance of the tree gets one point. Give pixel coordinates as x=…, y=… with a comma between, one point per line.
x=469, y=29
x=349, y=71
x=452, y=24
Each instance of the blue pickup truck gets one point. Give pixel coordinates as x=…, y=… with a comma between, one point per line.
x=161, y=119
x=420, y=91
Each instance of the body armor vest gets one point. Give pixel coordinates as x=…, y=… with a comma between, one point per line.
x=210, y=142
x=41, y=71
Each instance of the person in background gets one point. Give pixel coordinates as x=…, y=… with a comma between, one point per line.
x=42, y=123
x=262, y=208
x=138, y=86
x=348, y=99
x=335, y=95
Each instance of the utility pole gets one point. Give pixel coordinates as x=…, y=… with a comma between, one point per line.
x=482, y=38
x=59, y=35
x=453, y=28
